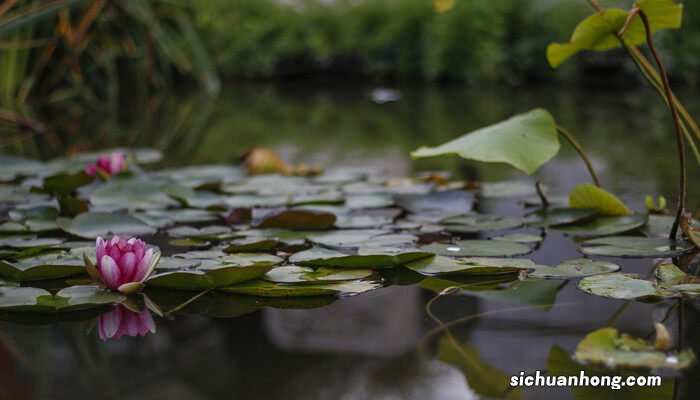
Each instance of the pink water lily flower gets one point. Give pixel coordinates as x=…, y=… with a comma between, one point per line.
x=122, y=321
x=122, y=264
x=106, y=166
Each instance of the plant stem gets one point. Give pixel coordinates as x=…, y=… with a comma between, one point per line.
x=572, y=140
x=674, y=114
x=597, y=6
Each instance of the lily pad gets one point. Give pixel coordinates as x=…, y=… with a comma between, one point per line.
x=479, y=223
x=367, y=258
x=608, y=347
x=525, y=141
x=263, y=288
x=477, y=248
x=305, y=275
x=42, y=267
x=26, y=299
x=560, y=216
x=194, y=198
x=440, y=265
x=635, y=246
x=354, y=238
x=207, y=232
x=603, y=226
x=217, y=273
x=92, y=224
x=251, y=244
x=519, y=238
x=506, y=189
x=574, y=269
x=133, y=193
x=591, y=197
x=449, y=201
x=619, y=286
x=297, y=220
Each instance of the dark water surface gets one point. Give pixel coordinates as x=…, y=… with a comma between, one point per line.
x=381, y=344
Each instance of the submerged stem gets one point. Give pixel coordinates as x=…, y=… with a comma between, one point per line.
x=674, y=114
x=572, y=140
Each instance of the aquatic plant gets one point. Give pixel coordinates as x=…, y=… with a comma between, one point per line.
x=106, y=166
x=122, y=264
x=124, y=322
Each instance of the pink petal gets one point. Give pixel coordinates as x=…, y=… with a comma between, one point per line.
x=129, y=324
x=100, y=248
x=91, y=169
x=113, y=251
x=127, y=267
x=146, y=323
x=108, y=324
x=109, y=271
x=144, y=265
x=116, y=163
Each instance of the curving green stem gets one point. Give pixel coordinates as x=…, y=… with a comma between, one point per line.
x=674, y=114
x=584, y=156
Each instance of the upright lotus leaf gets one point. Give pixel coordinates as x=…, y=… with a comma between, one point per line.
x=608, y=347
x=440, y=265
x=589, y=196
x=479, y=223
x=477, y=248
x=525, y=141
x=34, y=300
x=619, y=286
x=579, y=268
x=635, y=246
x=297, y=220
x=598, y=32
x=48, y=266
x=216, y=273
x=263, y=288
x=561, y=364
x=483, y=378
x=89, y=225
x=603, y=226
x=304, y=275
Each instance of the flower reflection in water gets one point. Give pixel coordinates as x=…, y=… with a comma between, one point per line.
x=122, y=321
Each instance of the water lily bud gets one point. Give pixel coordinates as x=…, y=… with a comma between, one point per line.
x=122, y=264
x=106, y=166
x=663, y=338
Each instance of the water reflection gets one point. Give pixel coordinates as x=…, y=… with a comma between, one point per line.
x=123, y=321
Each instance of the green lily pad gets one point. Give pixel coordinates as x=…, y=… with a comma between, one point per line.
x=64, y=183
x=574, y=269
x=42, y=267
x=635, y=246
x=525, y=141
x=15, y=166
x=519, y=238
x=306, y=275
x=440, y=265
x=263, y=288
x=133, y=193
x=591, y=197
x=251, y=244
x=216, y=273
x=21, y=243
x=560, y=216
x=34, y=300
x=207, y=232
x=384, y=257
x=194, y=198
x=603, y=226
x=479, y=223
x=449, y=201
x=477, y=248
x=198, y=175
x=156, y=217
x=659, y=225
x=92, y=224
x=297, y=220
x=608, y=347
x=507, y=189
x=354, y=238
x=619, y=286
x=175, y=263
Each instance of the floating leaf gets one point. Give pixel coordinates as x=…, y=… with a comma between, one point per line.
x=479, y=223
x=619, y=286
x=207, y=232
x=608, y=347
x=251, y=244
x=198, y=175
x=635, y=246
x=525, y=141
x=216, y=273
x=439, y=265
x=560, y=216
x=384, y=257
x=506, y=189
x=591, y=197
x=603, y=226
x=194, y=198
x=13, y=166
x=574, y=269
x=598, y=32
x=26, y=299
x=305, y=275
x=264, y=288
x=92, y=224
x=449, y=201
x=42, y=267
x=133, y=193
x=297, y=220
x=64, y=183
x=355, y=238
x=477, y=248
x=519, y=238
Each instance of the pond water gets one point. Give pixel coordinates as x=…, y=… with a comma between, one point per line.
x=381, y=344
